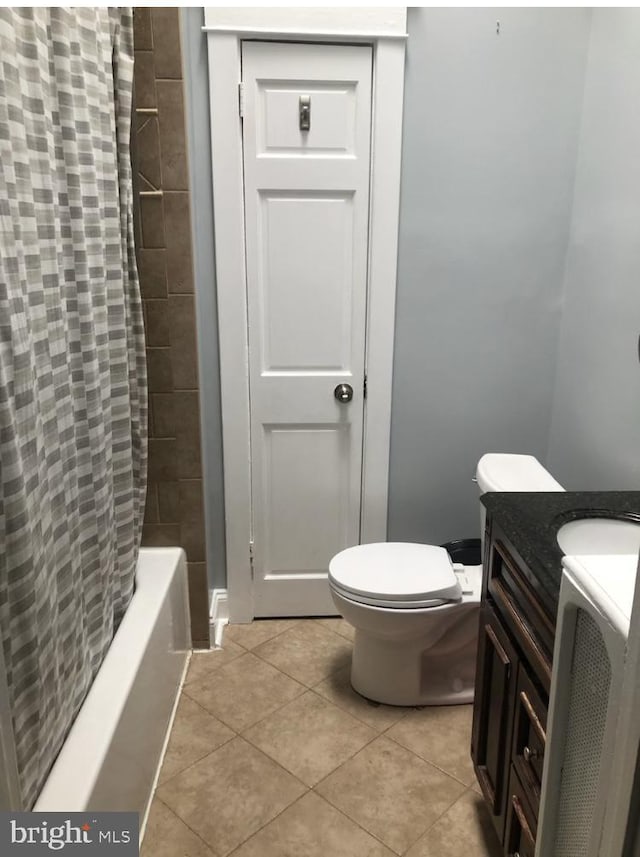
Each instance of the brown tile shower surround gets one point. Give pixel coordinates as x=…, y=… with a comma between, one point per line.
x=174, y=513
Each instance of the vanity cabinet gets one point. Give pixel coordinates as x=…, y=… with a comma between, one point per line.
x=513, y=676
x=497, y=665
x=520, y=831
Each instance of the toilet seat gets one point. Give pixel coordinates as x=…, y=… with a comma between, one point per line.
x=398, y=575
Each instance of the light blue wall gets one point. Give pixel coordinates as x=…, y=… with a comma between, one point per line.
x=491, y=131
x=595, y=430
x=491, y=128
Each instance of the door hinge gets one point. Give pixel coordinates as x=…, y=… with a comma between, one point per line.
x=364, y=387
x=241, y=99
x=251, y=558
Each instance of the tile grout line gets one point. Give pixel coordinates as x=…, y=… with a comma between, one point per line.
x=307, y=789
x=282, y=670
x=253, y=746
x=329, y=628
x=267, y=823
x=214, y=669
x=188, y=826
x=183, y=692
x=268, y=640
x=335, y=770
x=364, y=698
x=275, y=711
x=428, y=761
x=353, y=821
x=304, y=688
x=366, y=744
x=354, y=716
x=436, y=820
x=194, y=763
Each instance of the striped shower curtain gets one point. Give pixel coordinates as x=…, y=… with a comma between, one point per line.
x=72, y=369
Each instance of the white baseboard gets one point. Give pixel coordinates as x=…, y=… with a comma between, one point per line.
x=218, y=615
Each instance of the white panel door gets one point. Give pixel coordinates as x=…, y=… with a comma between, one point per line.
x=306, y=209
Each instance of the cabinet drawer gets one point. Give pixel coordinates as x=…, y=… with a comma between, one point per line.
x=520, y=831
x=529, y=728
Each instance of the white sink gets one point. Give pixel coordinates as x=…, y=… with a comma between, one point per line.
x=598, y=536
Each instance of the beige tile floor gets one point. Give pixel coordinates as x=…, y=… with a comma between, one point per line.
x=272, y=754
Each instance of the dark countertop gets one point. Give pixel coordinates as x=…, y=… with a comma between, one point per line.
x=531, y=520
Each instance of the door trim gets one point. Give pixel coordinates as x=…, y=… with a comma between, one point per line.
x=224, y=50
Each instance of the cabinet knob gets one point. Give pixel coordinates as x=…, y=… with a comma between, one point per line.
x=530, y=754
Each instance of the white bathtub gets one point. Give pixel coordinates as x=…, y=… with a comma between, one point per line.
x=112, y=754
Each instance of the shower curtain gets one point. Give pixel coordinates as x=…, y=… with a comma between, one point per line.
x=72, y=368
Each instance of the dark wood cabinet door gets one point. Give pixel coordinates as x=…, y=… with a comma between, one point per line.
x=520, y=833
x=529, y=737
x=496, y=678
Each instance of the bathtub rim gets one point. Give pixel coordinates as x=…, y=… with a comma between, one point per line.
x=74, y=774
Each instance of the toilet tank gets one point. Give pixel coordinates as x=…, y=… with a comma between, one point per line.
x=498, y=471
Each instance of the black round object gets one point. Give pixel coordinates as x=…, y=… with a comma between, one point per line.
x=466, y=551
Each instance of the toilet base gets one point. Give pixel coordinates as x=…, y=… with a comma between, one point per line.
x=422, y=671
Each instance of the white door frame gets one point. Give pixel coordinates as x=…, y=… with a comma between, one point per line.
x=385, y=30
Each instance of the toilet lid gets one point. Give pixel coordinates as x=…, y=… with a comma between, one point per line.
x=393, y=573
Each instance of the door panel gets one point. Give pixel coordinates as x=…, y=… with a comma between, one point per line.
x=306, y=210
x=290, y=456
x=333, y=125
x=303, y=278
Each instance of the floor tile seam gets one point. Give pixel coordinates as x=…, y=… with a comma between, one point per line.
x=429, y=826
x=219, y=717
x=210, y=713
x=344, y=711
x=428, y=761
x=386, y=844
x=269, y=759
x=186, y=693
x=328, y=676
x=424, y=761
x=309, y=690
x=195, y=762
x=214, y=669
x=346, y=761
x=240, y=733
x=246, y=729
x=399, y=720
x=268, y=640
x=355, y=753
x=349, y=818
x=187, y=825
x=337, y=633
x=383, y=731
x=274, y=761
x=284, y=672
x=324, y=777
x=352, y=820
x=319, y=628
x=266, y=824
x=436, y=820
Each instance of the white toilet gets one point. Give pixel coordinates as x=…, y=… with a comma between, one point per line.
x=415, y=614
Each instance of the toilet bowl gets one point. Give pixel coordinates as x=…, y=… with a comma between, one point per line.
x=415, y=614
